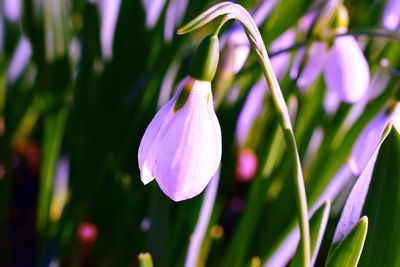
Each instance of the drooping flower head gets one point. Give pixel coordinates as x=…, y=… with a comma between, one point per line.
x=343, y=63
x=181, y=148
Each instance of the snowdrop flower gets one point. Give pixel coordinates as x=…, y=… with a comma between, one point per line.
x=391, y=15
x=345, y=68
x=347, y=72
x=369, y=139
x=181, y=148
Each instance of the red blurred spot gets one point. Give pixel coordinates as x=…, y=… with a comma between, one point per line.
x=87, y=233
x=31, y=153
x=246, y=166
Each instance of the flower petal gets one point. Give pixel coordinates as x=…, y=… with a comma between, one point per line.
x=151, y=133
x=280, y=62
x=370, y=139
x=241, y=45
x=187, y=150
x=391, y=15
x=347, y=72
x=313, y=67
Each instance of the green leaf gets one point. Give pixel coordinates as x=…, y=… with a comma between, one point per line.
x=382, y=206
x=54, y=126
x=349, y=250
x=318, y=224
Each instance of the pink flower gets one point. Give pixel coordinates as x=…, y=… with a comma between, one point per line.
x=181, y=148
x=87, y=233
x=246, y=166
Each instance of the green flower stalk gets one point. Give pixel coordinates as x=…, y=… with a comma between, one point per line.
x=235, y=11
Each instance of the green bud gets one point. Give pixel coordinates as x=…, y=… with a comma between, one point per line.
x=205, y=60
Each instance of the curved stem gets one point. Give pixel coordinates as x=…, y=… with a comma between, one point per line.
x=285, y=123
x=221, y=24
x=284, y=120
x=237, y=12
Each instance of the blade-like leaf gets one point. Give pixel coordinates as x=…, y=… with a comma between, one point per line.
x=349, y=250
x=352, y=210
x=317, y=229
x=382, y=206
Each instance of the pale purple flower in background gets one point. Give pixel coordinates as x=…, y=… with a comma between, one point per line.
x=287, y=247
x=239, y=45
x=236, y=38
x=109, y=11
x=331, y=103
x=181, y=148
x=307, y=20
x=255, y=99
x=391, y=15
x=351, y=212
x=246, y=165
x=370, y=138
x=261, y=13
x=345, y=68
x=19, y=60
x=175, y=13
x=313, y=67
x=250, y=110
x=60, y=192
x=168, y=82
x=199, y=232
x=281, y=61
x=153, y=10
x=12, y=9
x=313, y=146
x=377, y=85
x=347, y=72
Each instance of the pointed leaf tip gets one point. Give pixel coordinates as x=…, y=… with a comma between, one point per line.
x=348, y=252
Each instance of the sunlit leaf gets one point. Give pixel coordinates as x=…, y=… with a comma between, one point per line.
x=349, y=250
